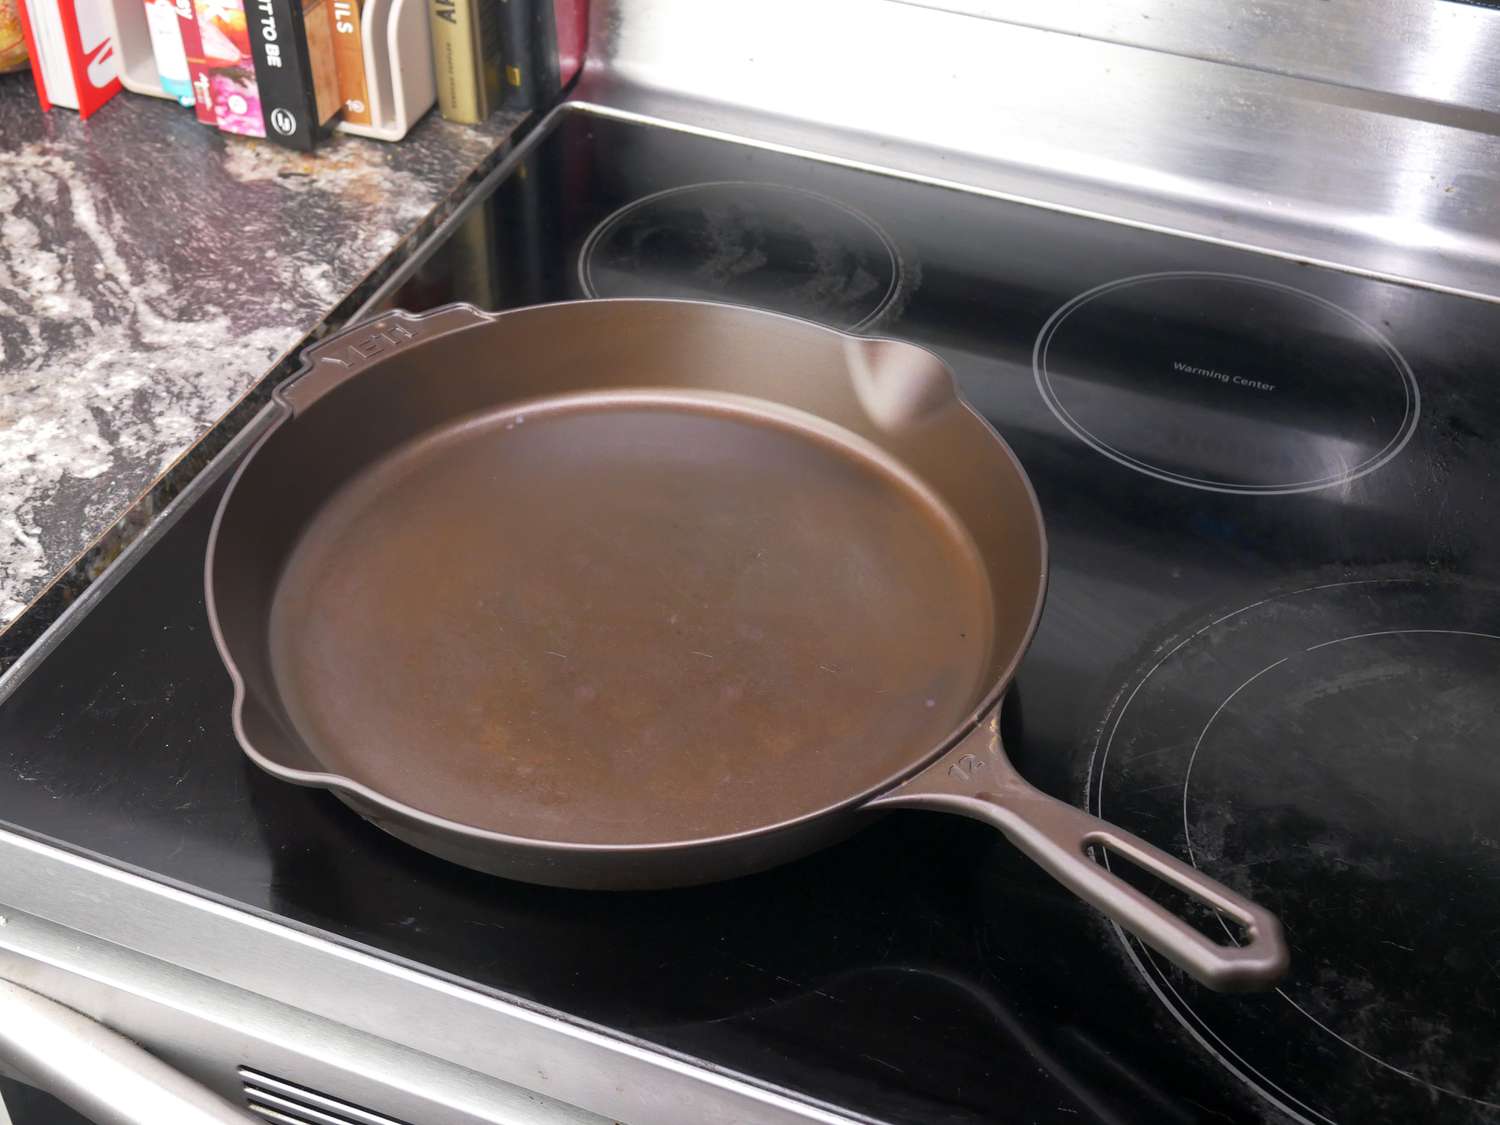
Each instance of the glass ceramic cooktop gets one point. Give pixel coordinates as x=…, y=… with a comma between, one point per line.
x=1270, y=646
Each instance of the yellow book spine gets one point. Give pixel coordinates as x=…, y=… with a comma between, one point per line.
x=454, y=50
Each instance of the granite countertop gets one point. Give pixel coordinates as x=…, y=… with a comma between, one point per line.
x=153, y=272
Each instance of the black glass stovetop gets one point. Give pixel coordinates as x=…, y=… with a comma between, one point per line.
x=1271, y=645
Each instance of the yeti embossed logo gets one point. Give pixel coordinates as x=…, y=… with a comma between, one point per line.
x=965, y=768
x=384, y=338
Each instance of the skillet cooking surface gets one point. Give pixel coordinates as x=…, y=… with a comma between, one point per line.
x=630, y=618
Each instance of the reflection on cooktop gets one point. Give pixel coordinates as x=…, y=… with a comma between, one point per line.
x=1334, y=751
x=1226, y=383
x=773, y=247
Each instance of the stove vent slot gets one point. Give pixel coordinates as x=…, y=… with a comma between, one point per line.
x=286, y=1103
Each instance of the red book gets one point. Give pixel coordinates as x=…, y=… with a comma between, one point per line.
x=572, y=36
x=192, y=47
x=221, y=68
x=72, y=57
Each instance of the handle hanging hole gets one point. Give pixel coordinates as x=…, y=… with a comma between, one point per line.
x=1219, y=927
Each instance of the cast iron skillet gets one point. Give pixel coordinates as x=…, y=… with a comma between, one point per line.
x=638, y=593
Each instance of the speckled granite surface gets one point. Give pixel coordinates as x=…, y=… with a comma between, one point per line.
x=152, y=273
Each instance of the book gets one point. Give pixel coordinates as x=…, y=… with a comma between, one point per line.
x=448, y=52
x=517, y=52
x=543, y=48
x=317, y=20
x=292, y=44
x=73, y=59
x=163, y=23
x=197, y=64
x=466, y=56
x=572, y=20
x=349, y=59
x=225, y=93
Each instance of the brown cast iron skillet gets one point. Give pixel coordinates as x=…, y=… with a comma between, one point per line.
x=636, y=593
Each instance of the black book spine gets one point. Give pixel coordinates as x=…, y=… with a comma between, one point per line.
x=529, y=48
x=545, y=76
x=283, y=71
x=517, y=54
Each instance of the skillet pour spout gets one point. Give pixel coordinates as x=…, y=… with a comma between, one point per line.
x=627, y=594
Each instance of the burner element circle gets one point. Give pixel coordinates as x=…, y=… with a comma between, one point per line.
x=1332, y=752
x=1226, y=383
x=766, y=245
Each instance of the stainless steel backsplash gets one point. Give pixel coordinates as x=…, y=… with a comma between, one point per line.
x=1326, y=130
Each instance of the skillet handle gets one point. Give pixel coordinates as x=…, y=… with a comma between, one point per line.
x=976, y=779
